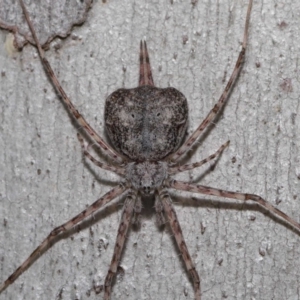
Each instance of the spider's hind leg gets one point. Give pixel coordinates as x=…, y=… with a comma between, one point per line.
x=222, y=100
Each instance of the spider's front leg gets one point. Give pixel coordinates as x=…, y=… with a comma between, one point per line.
x=50, y=239
x=120, y=241
x=176, y=229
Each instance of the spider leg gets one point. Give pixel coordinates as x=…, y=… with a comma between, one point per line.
x=72, y=109
x=238, y=66
x=118, y=170
x=187, y=167
x=137, y=211
x=201, y=189
x=176, y=229
x=159, y=209
x=145, y=67
x=120, y=241
x=47, y=242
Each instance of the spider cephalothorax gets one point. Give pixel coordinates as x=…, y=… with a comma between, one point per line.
x=147, y=176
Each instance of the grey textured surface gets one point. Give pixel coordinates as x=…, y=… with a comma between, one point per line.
x=51, y=19
x=241, y=254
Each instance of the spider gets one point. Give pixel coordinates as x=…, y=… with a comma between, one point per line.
x=147, y=159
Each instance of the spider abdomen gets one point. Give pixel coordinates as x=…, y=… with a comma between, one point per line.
x=146, y=123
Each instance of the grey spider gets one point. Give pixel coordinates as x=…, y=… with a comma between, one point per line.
x=146, y=126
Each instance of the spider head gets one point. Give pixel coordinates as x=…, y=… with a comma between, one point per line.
x=146, y=176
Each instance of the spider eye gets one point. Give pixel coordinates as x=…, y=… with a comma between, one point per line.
x=147, y=190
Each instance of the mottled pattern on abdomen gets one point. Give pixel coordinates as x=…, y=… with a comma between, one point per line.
x=146, y=123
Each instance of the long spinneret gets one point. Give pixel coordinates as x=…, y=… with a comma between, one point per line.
x=145, y=67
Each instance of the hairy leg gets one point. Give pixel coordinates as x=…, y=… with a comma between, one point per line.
x=47, y=243
x=238, y=66
x=120, y=241
x=201, y=189
x=72, y=109
x=176, y=229
x=117, y=170
x=187, y=167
